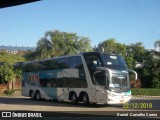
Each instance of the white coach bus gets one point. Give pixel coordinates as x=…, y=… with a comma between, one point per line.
x=86, y=77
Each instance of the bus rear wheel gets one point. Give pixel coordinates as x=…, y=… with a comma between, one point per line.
x=32, y=95
x=74, y=99
x=85, y=99
x=38, y=95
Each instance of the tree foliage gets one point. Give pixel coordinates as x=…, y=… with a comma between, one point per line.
x=56, y=43
x=155, y=70
x=150, y=73
x=6, y=73
x=10, y=58
x=7, y=61
x=157, y=44
x=138, y=51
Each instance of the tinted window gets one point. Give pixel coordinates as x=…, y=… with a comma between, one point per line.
x=27, y=67
x=100, y=78
x=63, y=82
x=66, y=79
x=63, y=63
x=32, y=67
x=93, y=60
x=114, y=62
x=70, y=64
x=76, y=62
x=52, y=64
x=49, y=64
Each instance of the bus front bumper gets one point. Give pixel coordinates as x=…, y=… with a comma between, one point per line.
x=118, y=99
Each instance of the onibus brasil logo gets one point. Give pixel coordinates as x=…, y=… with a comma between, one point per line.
x=33, y=79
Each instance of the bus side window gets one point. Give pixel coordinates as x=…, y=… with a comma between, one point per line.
x=76, y=63
x=63, y=63
x=27, y=67
x=73, y=62
x=100, y=78
x=93, y=61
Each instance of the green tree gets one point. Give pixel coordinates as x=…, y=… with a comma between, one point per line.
x=44, y=48
x=149, y=74
x=129, y=60
x=157, y=45
x=154, y=64
x=10, y=58
x=83, y=44
x=6, y=74
x=32, y=55
x=62, y=42
x=56, y=43
x=18, y=70
x=121, y=49
x=109, y=46
x=138, y=51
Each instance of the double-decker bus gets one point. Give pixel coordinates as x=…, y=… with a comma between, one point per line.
x=90, y=77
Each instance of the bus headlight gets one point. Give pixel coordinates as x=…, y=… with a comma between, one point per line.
x=111, y=95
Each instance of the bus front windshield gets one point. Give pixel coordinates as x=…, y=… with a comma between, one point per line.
x=119, y=82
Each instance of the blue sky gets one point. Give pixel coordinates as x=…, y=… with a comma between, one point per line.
x=128, y=21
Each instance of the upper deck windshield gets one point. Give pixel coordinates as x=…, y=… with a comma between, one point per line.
x=115, y=62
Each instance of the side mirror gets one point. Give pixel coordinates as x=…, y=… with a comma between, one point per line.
x=134, y=73
x=103, y=68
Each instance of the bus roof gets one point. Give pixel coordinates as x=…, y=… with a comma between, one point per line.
x=53, y=58
x=64, y=56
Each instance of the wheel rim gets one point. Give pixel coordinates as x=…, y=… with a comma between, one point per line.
x=85, y=99
x=32, y=95
x=73, y=99
x=38, y=96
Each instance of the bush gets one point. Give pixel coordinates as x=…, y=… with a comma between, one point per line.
x=146, y=92
x=9, y=92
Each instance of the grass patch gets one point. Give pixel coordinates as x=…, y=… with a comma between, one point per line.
x=146, y=91
x=9, y=92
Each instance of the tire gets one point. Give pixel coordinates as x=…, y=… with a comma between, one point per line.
x=74, y=99
x=85, y=99
x=38, y=96
x=32, y=95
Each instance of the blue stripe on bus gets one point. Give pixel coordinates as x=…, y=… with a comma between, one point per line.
x=51, y=92
x=42, y=74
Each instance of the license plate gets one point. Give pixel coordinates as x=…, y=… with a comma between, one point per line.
x=121, y=100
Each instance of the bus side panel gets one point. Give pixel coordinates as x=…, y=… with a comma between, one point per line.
x=49, y=92
x=101, y=95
